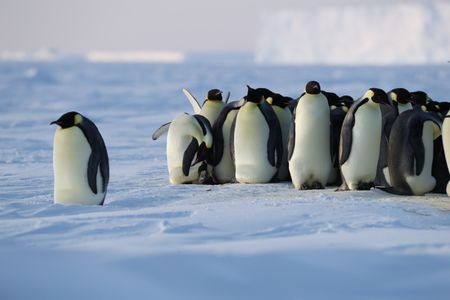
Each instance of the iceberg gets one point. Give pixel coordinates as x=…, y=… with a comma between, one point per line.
x=385, y=33
x=135, y=57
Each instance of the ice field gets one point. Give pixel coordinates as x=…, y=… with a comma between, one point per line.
x=153, y=240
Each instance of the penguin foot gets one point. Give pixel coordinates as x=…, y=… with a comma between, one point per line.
x=304, y=186
x=317, y=185
x=364, y=186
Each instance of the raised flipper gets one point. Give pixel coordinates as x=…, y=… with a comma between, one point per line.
x=195, y=105
x=160, y=131
x=227, y=97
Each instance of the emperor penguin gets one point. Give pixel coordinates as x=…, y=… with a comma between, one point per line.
x=309, y=140
x=399, y=101
x=256, y=141
x=221, y=159
x=410, y=155
x=212, y=105
x=189, y=142
x=359, y=146
x=337, y=116
x=280, y=105
x=80, y=161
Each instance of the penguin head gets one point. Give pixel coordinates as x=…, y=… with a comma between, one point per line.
x=214, y=94
x=279, y=100
x=346, y=101
x=378, y=96
x=400, y=95
x=313, y=88
x=68, y=120
x=332, y=98
x=419, y=98
x=253, y=95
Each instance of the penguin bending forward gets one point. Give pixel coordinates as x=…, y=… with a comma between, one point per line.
x=256, y=140
x=189, y=142
x=410, y=156
x=309, y=140
x=359, y=146
x=80, y=161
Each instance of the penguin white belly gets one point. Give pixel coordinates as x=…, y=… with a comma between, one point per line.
x=224, y=171
x=311, y=159
x=71, y=153
x=285, y=118
x=446, y=143
x=361, y=165
x=404, y=107
x=425, y=182
x=211, y=110
x=250, y=146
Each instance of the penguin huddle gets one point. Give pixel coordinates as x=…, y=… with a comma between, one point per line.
x=396, y=141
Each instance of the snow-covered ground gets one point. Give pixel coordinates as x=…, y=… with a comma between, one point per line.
x=352, y=32
x=154, y=240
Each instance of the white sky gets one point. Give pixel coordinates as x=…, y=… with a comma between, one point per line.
x=82, y=25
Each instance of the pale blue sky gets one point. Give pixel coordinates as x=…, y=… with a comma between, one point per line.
x=83, y=25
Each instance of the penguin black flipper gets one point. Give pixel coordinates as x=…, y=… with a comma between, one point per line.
x=204, y=123
x=188, y=156
x=345, y=145
x=291, y=142
x=232, y=130
x=274, y=144
x=160, y=131
x=217, y=130
x=439, y=168
x=415, y=138
x=98, y=157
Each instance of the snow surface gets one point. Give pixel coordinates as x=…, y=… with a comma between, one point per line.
x=157, y=241
x=356, y=33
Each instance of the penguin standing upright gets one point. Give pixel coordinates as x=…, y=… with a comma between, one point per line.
x=359, y=146
x=189, y=142
x=80, y=161
x=309, y=141
x=399, y=101
x=280, y=105
x=212, y=105
x=411, y=152
x=256, y=140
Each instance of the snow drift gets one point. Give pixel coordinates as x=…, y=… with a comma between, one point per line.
x=356, y=34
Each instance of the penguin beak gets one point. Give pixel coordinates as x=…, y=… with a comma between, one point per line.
x=55, y=122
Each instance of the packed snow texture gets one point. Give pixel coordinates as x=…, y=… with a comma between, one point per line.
x=158, y=241
x=357, y=33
